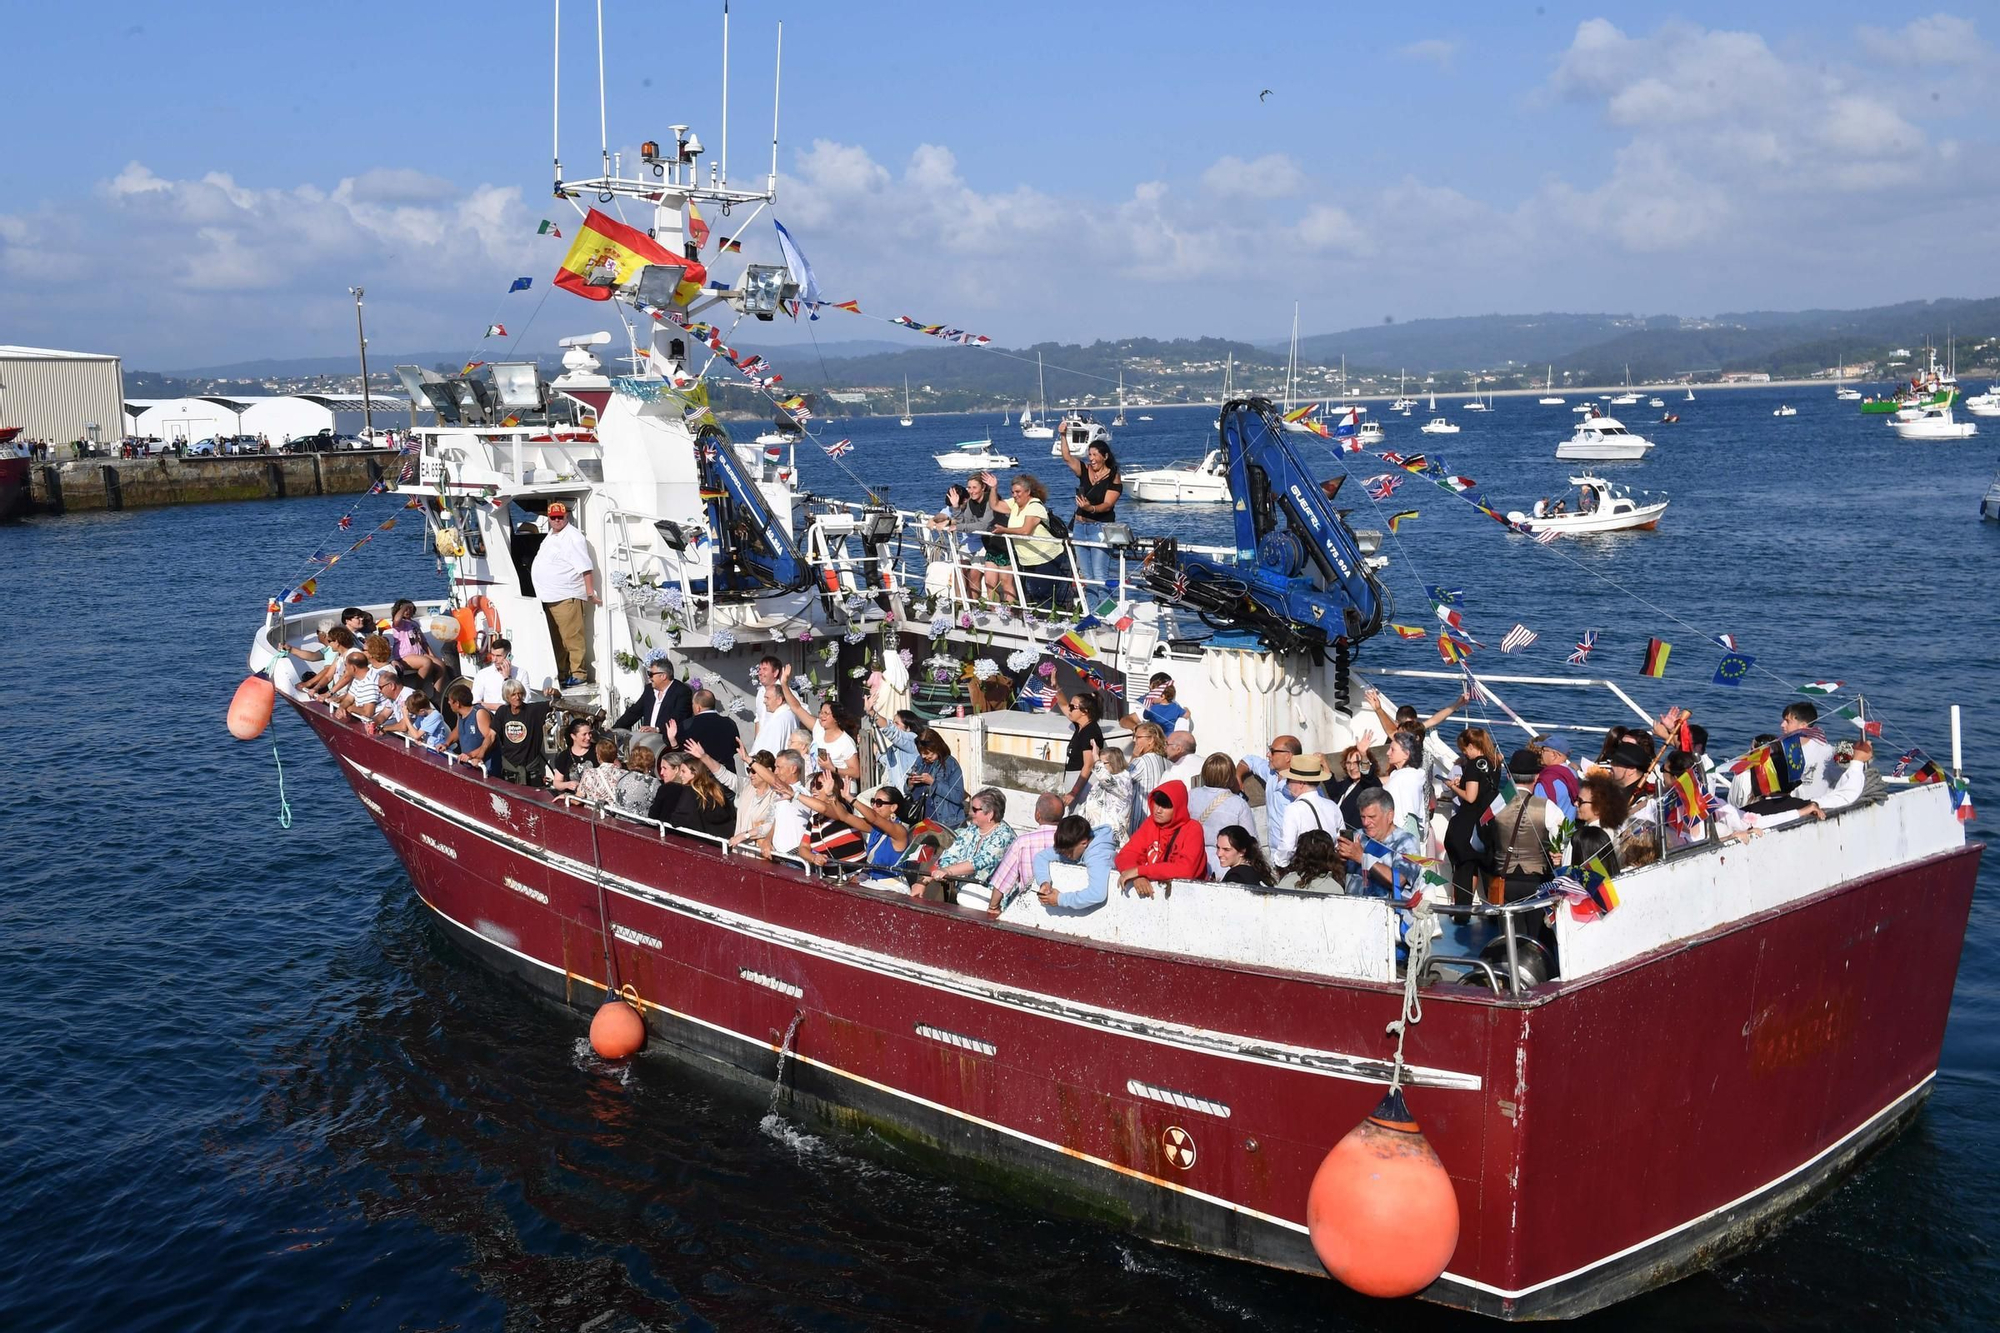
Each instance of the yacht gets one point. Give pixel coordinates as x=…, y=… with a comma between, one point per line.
x=1403, y=401
x=1656, y=402
x=1841, y=392
x=907, y=420
x=1550, y=398
x=1372, y=433
x=1785, y=410
x=1079, y=430
x=1628, y=398
x=1206, y=482
x=1985, y=404
x=974, y=456
x=1119, y=420
x=1934, y=423
x=1438, y=426
x=1602, y=439
x=1031, y=428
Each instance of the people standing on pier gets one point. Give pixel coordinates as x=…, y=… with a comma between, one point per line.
x=565, y=581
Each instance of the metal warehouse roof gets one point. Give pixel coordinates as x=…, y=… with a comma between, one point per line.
x=10, y=353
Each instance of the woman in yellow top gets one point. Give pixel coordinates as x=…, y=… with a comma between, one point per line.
x=1036, y=552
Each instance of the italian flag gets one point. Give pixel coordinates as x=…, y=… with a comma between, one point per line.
x=549, y=228
x=496, y=330
x=1822, y=687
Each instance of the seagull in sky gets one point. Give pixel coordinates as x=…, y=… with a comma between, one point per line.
x=1266, y=93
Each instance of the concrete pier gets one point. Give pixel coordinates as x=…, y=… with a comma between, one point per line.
x=135, y=483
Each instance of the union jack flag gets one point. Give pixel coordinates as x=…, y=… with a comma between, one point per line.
x=708, y=452
x=1180, y=584
x=1583, y=647
x=1384, y=486
x=839, y=448
x=346, y=522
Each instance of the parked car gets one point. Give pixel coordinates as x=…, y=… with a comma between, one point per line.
x=204, y=448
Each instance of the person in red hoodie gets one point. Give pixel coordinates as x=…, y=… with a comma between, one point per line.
x=1167, y=847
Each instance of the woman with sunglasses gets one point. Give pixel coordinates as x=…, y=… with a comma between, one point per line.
x=977, y=851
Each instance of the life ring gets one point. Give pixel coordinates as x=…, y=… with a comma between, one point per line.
x=482, y=605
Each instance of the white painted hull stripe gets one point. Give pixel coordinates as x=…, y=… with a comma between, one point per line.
x=1280, y=1055
x=902, y=1093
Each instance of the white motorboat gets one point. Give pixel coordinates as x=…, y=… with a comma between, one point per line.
x=1372, y=433
x=1592, y=505
x=1655, y=402
x=1934, y=423
x=1602, y=439
x=1031, y=428
x=1583, y=409
x=1144, y=417
x=1550, y=398
x=1785, y=410
x=1985, y=404
x=1079, y=430
x=974, y=456
x=1989, y=504
x=907, y=420
x=1847, y=395
x=1438, y=426
x=1206, y=482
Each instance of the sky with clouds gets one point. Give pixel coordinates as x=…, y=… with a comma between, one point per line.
x=206, y=182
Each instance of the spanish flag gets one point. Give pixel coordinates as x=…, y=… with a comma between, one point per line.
x=1410, y=631
x=607, y=254
x=698, y=226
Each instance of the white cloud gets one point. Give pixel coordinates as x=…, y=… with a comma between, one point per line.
x=1440, y=51
x=1940, y=39
x=1272, y=176
x=1329, y=228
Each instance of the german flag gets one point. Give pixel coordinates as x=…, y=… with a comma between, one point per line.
x=1656, y=658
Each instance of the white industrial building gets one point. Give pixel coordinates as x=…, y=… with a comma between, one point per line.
x=277, y=418
x=61, y=396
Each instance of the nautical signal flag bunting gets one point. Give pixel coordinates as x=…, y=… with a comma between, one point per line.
x=607, y=254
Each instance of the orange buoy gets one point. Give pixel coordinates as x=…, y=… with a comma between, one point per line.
x=1381, y=1211
x=617, y=1032
x=250, y=710
x=467, y=633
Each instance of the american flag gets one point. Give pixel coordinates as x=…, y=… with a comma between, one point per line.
x=1517, y=638
x=1547, y=535
x=1156, y=695
x=839, y=448
x=1583, y=647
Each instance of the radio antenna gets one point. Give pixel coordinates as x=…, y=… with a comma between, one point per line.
x=603, y=136
x=725, y=92
x=555, y=98
x=777, y=76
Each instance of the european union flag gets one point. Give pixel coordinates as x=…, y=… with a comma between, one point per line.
x=521, y=284
x=1733, y=668
x=1444, y=596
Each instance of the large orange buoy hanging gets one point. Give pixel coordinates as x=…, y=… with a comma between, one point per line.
x=250, y=710
x=1381, y=1211
x=617, y=1032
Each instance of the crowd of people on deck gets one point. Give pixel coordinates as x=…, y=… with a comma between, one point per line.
x=1381, y=817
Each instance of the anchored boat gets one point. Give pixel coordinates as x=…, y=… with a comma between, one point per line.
x=1592, y=504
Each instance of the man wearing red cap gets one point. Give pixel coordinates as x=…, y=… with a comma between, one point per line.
x=566, y=582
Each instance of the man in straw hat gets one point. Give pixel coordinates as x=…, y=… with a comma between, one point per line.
x=1309, y=809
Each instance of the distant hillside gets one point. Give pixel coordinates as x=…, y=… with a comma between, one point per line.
x=1477, y=341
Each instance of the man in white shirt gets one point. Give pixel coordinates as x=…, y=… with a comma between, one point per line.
x=1804, y=741
x=565, y=580
x=1265, y=768
x=774, y=719
x=489, y=684
x=788, y=816
x=1309, y=808
x=1183, y=763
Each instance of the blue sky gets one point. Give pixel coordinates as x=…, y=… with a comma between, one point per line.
x=204, y=182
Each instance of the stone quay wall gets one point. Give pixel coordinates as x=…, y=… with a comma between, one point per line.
x=135, y=483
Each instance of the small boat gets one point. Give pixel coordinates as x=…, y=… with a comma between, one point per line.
x=1206, y=482
x=1477, y=404
x=1656, y=403
x=1079, y=430
x=1690, y=396
x=1985, y=404
x=1372, y=433
x=1934, y=423
x=1989, y=505
x=1593, y=505
x=1031, y=429
x=1119, y=420
x=973, y=456
x=1785, y=410
x=1847, y=395
x=1438, y=426
x=1602, y=439
x=1669, y=418
x=1628, y=398
x=908, y=420
x=1144, y=417
x=1583, y=409
x=1550, y=398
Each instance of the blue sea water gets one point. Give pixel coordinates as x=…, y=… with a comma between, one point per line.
x=247, y=1085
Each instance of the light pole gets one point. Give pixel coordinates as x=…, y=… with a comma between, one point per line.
x=367, y=403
